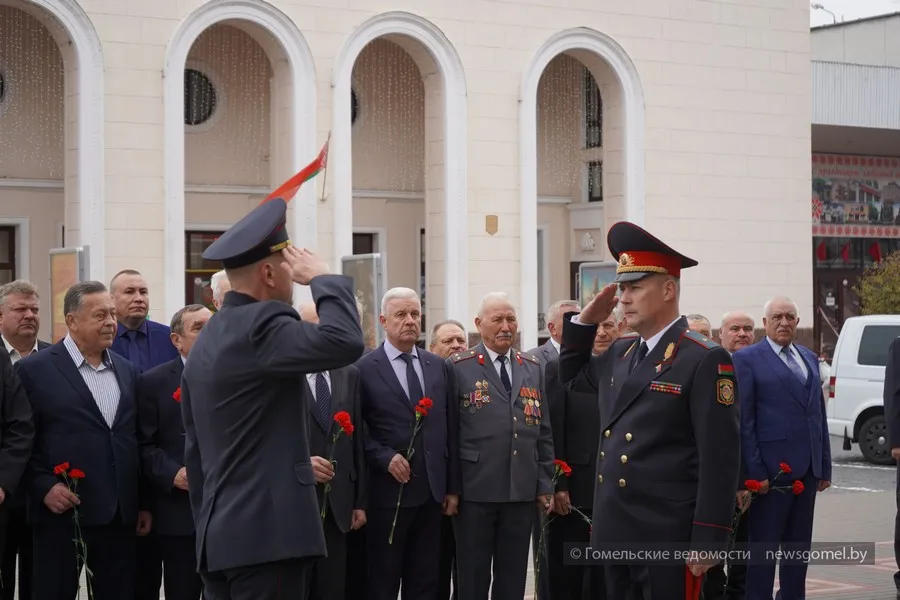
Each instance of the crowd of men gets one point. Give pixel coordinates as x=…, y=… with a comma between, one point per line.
x=262, y=452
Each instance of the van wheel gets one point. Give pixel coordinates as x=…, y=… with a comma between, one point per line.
x=873, y=441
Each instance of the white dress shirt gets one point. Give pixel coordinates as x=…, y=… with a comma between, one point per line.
x=14, y=354
x=311, y=380
x=101, y=381
x=493, y=356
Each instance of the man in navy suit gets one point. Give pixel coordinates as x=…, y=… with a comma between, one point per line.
x=147, y=344
x=393, y=379
x=20, y=321
x=83, y=398
x=782, y=421
x=161, y=436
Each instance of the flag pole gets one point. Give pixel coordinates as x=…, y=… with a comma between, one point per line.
x=325, y=169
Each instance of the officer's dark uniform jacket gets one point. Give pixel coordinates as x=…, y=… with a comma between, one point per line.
x=669, y=453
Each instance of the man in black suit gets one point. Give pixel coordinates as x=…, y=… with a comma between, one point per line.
x=327, y=394
x=20, y=321
x=575, y=415
x=83, y=397
x=252, y=484
x=161, y=436
x=892, y=416
x=395, y=377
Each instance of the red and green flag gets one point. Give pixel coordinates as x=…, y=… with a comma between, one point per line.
x=289, y=188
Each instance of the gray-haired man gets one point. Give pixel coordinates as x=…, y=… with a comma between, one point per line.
x=506, y=463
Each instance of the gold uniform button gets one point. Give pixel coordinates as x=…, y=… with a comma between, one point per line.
x=515, y=452
x=624, y=459
x=627, y=437
x=606, y=433
x=602, y=455
x=600, y=478
x=515, y=419
x=515, y=435
x=621, y=483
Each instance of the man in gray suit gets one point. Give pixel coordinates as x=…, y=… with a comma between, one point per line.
x=252, y=483
x=506, y=463
x=545, y=353
x=549, y=350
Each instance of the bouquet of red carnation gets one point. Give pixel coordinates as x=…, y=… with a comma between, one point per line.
x=422, y=409
x=560, y=468
x=71, y=477
x=344, y=425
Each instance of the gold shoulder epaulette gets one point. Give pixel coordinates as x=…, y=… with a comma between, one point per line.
x=460, y=356
x=527, y=356
x=700, y=339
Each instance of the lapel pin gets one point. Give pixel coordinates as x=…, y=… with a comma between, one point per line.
x=669, y=350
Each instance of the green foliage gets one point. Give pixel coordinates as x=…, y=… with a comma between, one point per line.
x=879, y=287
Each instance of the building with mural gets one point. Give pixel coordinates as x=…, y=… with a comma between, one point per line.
x=479, y=146
x=855, y=162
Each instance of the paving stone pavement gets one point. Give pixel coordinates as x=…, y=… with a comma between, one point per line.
x=859, y=508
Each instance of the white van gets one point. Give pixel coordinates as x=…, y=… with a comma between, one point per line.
x=855, y=403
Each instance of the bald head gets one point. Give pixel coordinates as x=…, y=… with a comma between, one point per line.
x=736, y=330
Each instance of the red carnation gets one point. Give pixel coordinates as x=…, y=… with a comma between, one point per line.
x=424, y=406
x=752, y=485
x=563, y=466
x=797, y=487
x=61, y=468
x=177, y=395
x=785, y=468
x=342, y=416
x=76, y=474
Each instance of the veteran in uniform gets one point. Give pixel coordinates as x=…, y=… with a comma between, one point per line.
x=506, y=455
x=252, y=483
x=669, y=455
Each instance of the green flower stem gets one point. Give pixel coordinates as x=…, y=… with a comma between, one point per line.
x=409, y=453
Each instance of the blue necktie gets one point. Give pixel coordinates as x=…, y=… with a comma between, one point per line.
x=793, y=365
x=504, y=376
x=414, y=388
x=323, y=402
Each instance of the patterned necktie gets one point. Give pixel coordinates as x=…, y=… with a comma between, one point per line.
x=323, y=401
x=793, y=364
x=504, y=376
x=412, y=380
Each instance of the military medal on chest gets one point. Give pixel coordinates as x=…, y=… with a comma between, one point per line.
x=475, y=400
x=531, y=405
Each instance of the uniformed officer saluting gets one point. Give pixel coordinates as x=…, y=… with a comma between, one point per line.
x=669, y=455
x=252, y=486
x=506, y=455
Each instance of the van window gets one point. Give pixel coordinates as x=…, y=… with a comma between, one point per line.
x=875, y=342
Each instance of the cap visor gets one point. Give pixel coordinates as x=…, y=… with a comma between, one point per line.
x=623, y=277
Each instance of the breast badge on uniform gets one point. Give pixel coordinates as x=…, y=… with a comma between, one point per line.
x=473, y=401
x=725, y=391
x=531, y=405
x=666, y=388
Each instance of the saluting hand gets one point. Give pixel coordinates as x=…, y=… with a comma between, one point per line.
x=599, y=309
x=302, y=265
x=60, y=499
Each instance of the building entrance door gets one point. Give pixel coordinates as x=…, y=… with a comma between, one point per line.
x=835, y=301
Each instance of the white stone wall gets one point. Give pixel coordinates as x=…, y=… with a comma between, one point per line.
x=726, y=89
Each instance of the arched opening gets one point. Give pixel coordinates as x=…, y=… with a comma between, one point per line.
x=51, y=177
x=406, y=148
x=239, y=120
x=582, y=133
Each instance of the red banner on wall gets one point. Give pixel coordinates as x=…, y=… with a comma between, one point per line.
x=855, y=196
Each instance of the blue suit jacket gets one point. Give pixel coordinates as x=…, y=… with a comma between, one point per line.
x=160, y=344
x=70, y=428
x=781, y=420
x=389, y=418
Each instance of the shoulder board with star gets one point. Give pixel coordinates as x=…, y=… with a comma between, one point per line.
x=461, y=356
x=699, y=338
x=527, y=356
